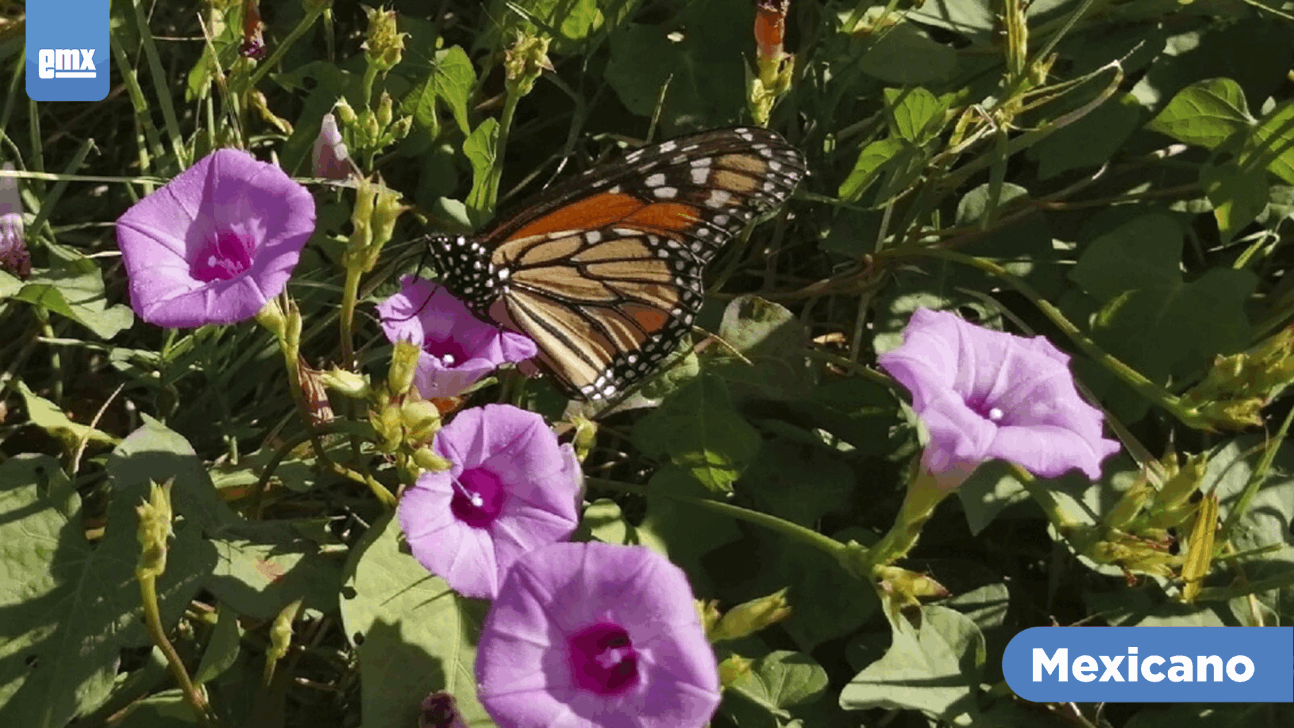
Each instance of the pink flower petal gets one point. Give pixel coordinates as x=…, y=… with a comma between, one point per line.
x=171, y=241
x=530, y=645
x=986, y=394
x=541, y=488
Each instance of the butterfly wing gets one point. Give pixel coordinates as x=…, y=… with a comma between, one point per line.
x=605, y=271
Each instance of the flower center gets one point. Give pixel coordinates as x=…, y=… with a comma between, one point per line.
x=986, y=410
x=478, y=497
x=227, y=257
x=449, y=352
x=603, y=660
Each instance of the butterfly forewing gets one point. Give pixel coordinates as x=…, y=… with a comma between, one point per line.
x=604, y=271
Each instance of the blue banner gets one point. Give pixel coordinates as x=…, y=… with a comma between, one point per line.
x=1152, y=664
x=67, y=50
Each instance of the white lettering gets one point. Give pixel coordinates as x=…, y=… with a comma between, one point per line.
x=66, y=59
x=1111, y=668
x=1132, y=664
x=87, y=59
x=1240, y=661
x=1203, y=661
x=1182, y=669
x=46, y=57
x=1084, y=667
x=1147, y=673
x=1059, y=663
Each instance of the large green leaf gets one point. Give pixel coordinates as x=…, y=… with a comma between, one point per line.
x=772, y=343
x=935, y=669
x=413, y=634
x=1152, y=318
x=698, y=58
x=449, y=83
x=698, y=429
x=69, y=608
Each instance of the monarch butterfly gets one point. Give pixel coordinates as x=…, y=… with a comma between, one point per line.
x=604, y=271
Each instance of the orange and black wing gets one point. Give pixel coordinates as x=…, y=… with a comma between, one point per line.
x=604, y=271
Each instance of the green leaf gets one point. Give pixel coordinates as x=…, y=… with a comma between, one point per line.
x=414, y=635
x=47, y=416
x=223, y=647
x=683, y=532
x=1273, y=141
x=1091, y=141
x=935, y=669
x=73, y=289
x=449, y=82
x=699, y=431
x=70, y=608
x=1150, y=317
x=773, y=343
x=825, y=603
x=915, y=114
x=781, y=679
x=261, y=573
x=1237, y=191
x=481, y=149
x=801, y=484
x=873, y=159
x=695, y=61
x=906, y=56
x=1204, y=113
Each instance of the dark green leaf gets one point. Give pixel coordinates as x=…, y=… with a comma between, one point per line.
x=699, y=431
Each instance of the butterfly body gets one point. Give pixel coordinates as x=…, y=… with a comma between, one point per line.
x=605, y=271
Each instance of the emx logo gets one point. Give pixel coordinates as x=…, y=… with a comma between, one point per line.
x=67, y=50
x=66, y=63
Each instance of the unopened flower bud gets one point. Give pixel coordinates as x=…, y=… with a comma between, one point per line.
x=384, y=43
x=751, y=617
x=421, y=419
x=404, y=363
x=427, y=459
x=525, y=61
x=154, y=530
x=346, y=382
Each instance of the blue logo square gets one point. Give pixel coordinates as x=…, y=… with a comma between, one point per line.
x=67, y=50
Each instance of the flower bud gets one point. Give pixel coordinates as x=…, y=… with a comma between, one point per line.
x=586, y=433
x=404, y=363
x=154, y=531
x=524, y=62
x=751, y=617
x=420, y=418
x=346, y=382
x=345, y=112
x=427, y=459
x=384, y=44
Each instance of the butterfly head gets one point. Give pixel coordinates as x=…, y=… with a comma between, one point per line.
x=466, y=270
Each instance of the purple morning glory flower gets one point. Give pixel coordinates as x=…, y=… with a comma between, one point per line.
x=986, y=394
x=595, y=635
x=511, y=489
x=215, y=243
x=457, y=347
